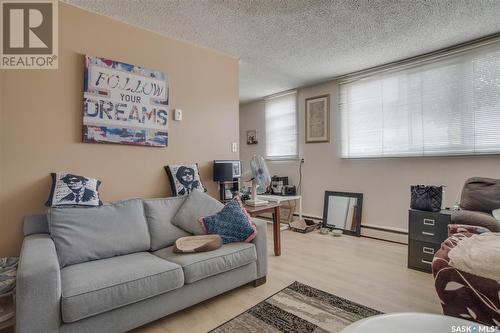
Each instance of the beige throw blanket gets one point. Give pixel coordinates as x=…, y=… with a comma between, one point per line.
x=478, y=255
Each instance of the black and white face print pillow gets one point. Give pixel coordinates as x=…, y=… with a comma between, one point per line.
x=184, y=179
x=73, y=190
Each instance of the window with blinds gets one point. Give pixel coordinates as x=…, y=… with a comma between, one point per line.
x=445, y=106
x=281, y=126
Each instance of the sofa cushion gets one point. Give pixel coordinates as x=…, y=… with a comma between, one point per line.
x=159, y=214
x=98, y=286
x=84, y=234
x=197, y=266
x=197, y=204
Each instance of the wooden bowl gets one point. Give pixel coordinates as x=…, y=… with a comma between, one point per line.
x=202, y=243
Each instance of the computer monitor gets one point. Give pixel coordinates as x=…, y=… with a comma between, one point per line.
x=221, y=165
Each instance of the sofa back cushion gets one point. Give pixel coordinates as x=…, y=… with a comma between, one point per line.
x=197, y=205
x=159, y=214
x=84, y=234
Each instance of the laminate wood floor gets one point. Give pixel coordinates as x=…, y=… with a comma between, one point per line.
x=363, y=270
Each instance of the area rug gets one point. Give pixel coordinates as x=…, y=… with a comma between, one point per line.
x=298, y=308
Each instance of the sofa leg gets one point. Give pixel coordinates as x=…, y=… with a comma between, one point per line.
x=259, y=281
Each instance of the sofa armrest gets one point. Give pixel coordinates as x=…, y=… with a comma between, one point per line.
x=469, y=217
x=260, y=242
x=38, y=286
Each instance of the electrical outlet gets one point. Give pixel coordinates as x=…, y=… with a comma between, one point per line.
x=177, y=114
x=302, y=160
x=234, y=147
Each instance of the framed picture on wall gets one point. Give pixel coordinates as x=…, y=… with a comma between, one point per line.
x=318, y=119
x=252, y=137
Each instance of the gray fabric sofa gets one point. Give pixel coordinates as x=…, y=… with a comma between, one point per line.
x=112, y=288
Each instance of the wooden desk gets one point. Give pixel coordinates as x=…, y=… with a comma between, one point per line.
x=273, y=208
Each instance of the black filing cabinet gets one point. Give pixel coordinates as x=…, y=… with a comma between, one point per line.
x=426, y=232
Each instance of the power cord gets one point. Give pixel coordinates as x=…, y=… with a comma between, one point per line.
x=299, y=187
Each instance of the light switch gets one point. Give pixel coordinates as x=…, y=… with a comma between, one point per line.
x=234, y=147
x=178, y=114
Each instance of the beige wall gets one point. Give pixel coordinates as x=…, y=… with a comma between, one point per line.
x=384, y=182
x=41, y=120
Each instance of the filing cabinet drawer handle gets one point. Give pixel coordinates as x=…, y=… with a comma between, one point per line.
x=429, y=222
x=426, y=262
x=427, y=233
x=428, y=250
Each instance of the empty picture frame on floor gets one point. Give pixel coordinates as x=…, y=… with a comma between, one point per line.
x=318, y=119
x=342, y=211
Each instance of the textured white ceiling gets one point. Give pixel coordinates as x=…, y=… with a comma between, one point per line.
x=287, y=44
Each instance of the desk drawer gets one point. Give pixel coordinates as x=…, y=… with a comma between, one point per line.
x=428, y=227
x=420, y=255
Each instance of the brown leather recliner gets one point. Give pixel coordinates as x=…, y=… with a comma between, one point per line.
x=480, y=196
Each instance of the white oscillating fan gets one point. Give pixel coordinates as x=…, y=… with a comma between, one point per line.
x=261, y=177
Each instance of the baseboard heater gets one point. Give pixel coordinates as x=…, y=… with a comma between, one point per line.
x=400, y=232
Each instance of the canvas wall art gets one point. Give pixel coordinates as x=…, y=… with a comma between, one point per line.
x=318, y=119
x=124, y=104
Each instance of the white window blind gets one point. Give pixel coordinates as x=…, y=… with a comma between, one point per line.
x=449, y=106
x=281, y=126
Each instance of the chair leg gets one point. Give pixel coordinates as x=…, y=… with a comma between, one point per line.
x=259, y=281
